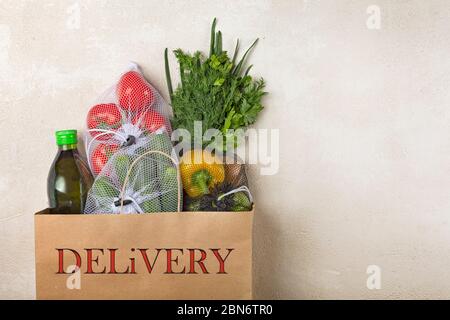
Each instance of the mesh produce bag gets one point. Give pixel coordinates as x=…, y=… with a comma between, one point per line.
x=138, y=180
x=123, y=116
x=213, y=184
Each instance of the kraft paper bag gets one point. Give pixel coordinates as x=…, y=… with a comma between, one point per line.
x=187, y=255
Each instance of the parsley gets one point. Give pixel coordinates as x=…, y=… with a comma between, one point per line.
x=215, y=89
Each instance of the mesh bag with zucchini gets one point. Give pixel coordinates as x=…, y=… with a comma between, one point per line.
x=141, y=180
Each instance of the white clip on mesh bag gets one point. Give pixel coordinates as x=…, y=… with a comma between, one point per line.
x=123, y=116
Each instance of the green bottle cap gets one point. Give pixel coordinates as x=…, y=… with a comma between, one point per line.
x=65, y=137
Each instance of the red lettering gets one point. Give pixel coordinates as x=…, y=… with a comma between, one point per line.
x=175, y=257
x=90, y=260
x=192, y=261
x=61, y=259
x=170, y=260
x=147, y=263
x=133, y=268
x=112, y=262
x=220, y=259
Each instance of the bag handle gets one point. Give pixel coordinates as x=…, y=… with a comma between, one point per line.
x=241, y=188
x=174, y=161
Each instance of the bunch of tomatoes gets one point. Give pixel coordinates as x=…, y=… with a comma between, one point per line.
x=135, y=99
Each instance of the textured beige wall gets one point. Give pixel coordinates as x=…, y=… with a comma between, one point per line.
x=364, y=119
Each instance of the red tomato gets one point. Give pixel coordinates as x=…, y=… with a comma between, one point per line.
x=101, y=155
x=133, y=92
x=105, y=117
x=150, y=121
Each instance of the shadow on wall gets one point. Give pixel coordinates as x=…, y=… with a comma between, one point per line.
x=282, y=263
x=271, y=279
x=265, y=256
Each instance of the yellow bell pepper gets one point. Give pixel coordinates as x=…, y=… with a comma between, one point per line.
x=200, y=171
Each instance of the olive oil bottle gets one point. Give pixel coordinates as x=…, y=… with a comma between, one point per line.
x=69, y=179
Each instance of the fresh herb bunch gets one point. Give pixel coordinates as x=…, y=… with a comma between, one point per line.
x=215, y=89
